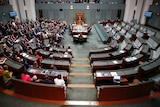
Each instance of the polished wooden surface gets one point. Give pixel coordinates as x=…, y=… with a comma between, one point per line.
x=79, y=18
x=79, y=29
x=68, y=102
x=122, y=92
x=38, y=90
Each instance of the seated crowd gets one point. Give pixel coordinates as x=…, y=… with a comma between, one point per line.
x=28, y=36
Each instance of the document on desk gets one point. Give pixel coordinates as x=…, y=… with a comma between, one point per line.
x=115, y=62
x=134, y=58
x=121, y=51
x=65, y=55
x=105, y=74
x=130, y=59
x=105, y=48
x=114, y=73
x=99, y=74
x=23, y=54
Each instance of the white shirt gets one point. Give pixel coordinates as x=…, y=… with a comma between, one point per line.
x=59, y=82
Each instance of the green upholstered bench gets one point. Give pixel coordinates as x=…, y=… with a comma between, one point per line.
x=103, y=35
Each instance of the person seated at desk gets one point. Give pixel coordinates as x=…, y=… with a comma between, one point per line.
x=23, y=61
x=6, y=50
x=69, y=50
x=53, y=67
x=36, y=65
x=47, y=80
x=38, y=57
x=26, y=77
x=60, y=81
x=35, y=79
x=30, y=51
x=7, y=75
x=79, y=21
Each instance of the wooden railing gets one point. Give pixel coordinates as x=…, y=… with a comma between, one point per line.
x=123, y=92
x=38, y=90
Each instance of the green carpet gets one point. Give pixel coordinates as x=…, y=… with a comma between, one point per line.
x=81, y=94
x=82, y=50
x=80, y=69
x=80, y=80
x=80, y=62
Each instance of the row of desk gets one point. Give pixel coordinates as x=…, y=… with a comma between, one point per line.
x=41, y=72
x=111, y=48
x=116, y=64
x=55, y=55
x=60, y=63
x=79, y=32
x=79, y=29
x=105, y=77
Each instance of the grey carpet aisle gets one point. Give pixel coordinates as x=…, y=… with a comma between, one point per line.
x=81, y=94
x=82, y=51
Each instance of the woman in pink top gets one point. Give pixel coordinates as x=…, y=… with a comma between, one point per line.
x=26, y=77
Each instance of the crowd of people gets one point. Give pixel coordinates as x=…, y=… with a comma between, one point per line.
x=29, y=35
x=26, y=36
x=7, y=75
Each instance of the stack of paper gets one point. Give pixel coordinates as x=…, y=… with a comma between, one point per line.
x=115, y=62
x=114, y=73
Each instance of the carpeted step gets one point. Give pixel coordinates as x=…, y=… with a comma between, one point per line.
x=81, y=94
x=80, y=74
x=81, y=86
x=80, y=65
x=84, y=69
x=80, y=61
x=80, y=79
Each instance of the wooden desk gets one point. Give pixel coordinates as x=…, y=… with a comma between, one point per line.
x=80, y=38
x=60, y=64
x=133, y=60
x=40, y=72
x=104, y=77
x=118, y=54
x=30, y=58
x=150, y=68
x=61, y=56
x=109, y=48
x=56, y=49
x=44, y=54
x=109, y=64
x=124, y=92
x=16, y=67
x=99, y=56
x=79, y=29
